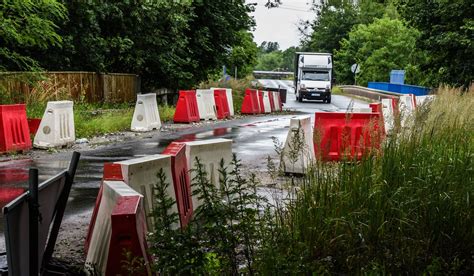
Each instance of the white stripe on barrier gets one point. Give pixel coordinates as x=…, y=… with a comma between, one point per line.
x=146, y=116
x=276, y=96
x=57, y=125
x=141, y=175
x=210, y=153
x=266, y=102
x=100, y=240
x=206, y=104
x=406, y=106
x=388, y=114
x=359, y=110
x=298, y=151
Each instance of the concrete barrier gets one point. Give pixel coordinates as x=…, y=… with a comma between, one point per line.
x=206, y=104
x=57, y=126
x=298, y=151
x=141, y=175
x=210, y=153
x=146, y=116
x=98, y=251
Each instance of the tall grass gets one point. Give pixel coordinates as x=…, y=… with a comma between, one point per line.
x=405, y=211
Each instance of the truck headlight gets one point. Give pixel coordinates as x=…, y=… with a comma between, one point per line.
x=302, y=86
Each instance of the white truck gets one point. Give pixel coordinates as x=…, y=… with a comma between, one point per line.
x=313, y=76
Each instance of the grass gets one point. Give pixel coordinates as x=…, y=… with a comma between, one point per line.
x=404, y=210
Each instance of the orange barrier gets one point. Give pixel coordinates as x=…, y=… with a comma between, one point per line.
x=186, y=107
x=339, y=136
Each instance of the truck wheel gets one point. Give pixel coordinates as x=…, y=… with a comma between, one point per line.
x=328, y=100
x=300, y=99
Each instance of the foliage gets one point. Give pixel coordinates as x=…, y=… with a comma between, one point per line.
x=243, y=55
x=447, y=31
x=27, y=25
x=378, y=48
x=276, y=60
x=407, y=210
x=269, y=46
x=223, y=233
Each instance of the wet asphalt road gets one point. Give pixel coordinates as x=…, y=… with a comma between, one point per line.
x=252, y=142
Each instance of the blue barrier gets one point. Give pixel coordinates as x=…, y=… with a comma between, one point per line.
x=397, y=76
x=400, y=88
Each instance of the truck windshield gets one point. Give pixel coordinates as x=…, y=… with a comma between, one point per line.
x=315, y=75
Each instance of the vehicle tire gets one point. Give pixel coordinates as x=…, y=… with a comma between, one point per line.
x=328, y=100
x=300, y=99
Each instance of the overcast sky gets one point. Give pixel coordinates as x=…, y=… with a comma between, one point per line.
x=280, y=24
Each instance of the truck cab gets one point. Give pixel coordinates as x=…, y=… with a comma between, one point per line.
x=313, y=76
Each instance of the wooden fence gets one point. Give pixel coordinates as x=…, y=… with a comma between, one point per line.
x=79, y=86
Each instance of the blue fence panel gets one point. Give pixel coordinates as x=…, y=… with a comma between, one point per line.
x=400, y=88
x=397, y=76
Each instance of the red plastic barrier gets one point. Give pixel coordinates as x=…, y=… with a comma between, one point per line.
x=340, y=136
x=278, y=98
x=111, y=172
x=260, y=101
x=33, y=125
x=272, y=100
x=128, y=236
x=14, y=131
x=376, y=107
x=186, y=107
x=250, y=104
x=222, y=105
x=181, y=181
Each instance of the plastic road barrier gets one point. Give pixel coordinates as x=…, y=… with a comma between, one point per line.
x=422, y=100
x=342, y=136
x=272, y=100
x=210, y=153
x=406, y=107
x=186, y=107
x=98, y=251
x=128, y=235
x=389, y=111
x=33, y=125
x=222, y=106
x=264, y=101
x=14, y=131
x=146, y=116
x=278, y=105
x=230, y=99
x=181, y=181
x=250, y=104
x=57, y=126
x=206, y=104
x=376, y=107
x=141, y=175
x=298, y=151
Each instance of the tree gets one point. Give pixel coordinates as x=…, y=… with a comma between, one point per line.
x=269, y=46
x=244, y=55
x=378, y=48
x=27, y=25
x=270, y=62
x=447, y=36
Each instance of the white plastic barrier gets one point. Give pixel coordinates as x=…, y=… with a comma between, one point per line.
x=57, y=126
x=210, y=153
x=206, y=104
x=276, y=97
x=266, y=101
x=406, y=106
x=230, y=99
x=297, y=155
x=388, y=113
x=359, y=110
x=146, y=116
x=422, y=100
x=141, y=175
x=100, y=239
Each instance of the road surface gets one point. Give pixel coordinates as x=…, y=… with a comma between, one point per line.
x=252, y=141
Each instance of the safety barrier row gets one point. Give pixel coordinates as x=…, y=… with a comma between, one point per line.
x=123, y=211
x=345, y=135
x=259, y=102
x=204, y=104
